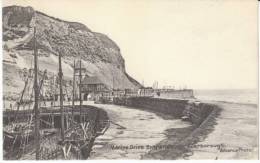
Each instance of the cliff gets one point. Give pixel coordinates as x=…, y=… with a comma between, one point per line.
x=101, y=56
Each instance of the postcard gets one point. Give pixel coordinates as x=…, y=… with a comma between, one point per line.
x=130, y=80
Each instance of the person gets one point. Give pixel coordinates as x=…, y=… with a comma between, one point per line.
x=44, y=102
x=139, y=92
x=158, y=93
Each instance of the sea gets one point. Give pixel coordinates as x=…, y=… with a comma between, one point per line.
x=241, y=96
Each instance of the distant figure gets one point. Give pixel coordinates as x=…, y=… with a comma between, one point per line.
x=139, y=92
x=89, y=97
x=158, y=93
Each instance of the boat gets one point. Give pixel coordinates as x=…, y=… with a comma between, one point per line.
x=43, y=133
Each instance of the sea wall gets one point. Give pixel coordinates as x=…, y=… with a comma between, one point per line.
x=193, y=111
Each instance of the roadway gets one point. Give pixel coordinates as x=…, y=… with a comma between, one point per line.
x=131, y=131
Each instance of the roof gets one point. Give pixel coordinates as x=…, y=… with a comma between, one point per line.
x=92, y=80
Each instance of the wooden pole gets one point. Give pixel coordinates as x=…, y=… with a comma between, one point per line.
x=80, y=100
x=21, y=99
x=73, y=92
x=36, y=98
x=54, y=84
x=41, y=83
x=113, y=83
x=61, y=99
x=42, y=80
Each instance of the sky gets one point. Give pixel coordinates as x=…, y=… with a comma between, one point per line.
x=199, y=44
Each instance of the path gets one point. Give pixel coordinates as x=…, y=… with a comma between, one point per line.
x=131, y=127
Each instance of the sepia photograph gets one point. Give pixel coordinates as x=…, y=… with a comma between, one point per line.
x=130, y=80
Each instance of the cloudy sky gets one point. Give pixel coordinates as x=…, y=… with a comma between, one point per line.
x=203, y=44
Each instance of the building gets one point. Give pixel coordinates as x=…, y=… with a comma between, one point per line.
x=146, y=91
x=92, y=87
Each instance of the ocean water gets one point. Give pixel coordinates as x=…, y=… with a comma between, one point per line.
x=243, y=96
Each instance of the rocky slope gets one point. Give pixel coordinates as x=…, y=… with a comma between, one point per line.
x=101, y=56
